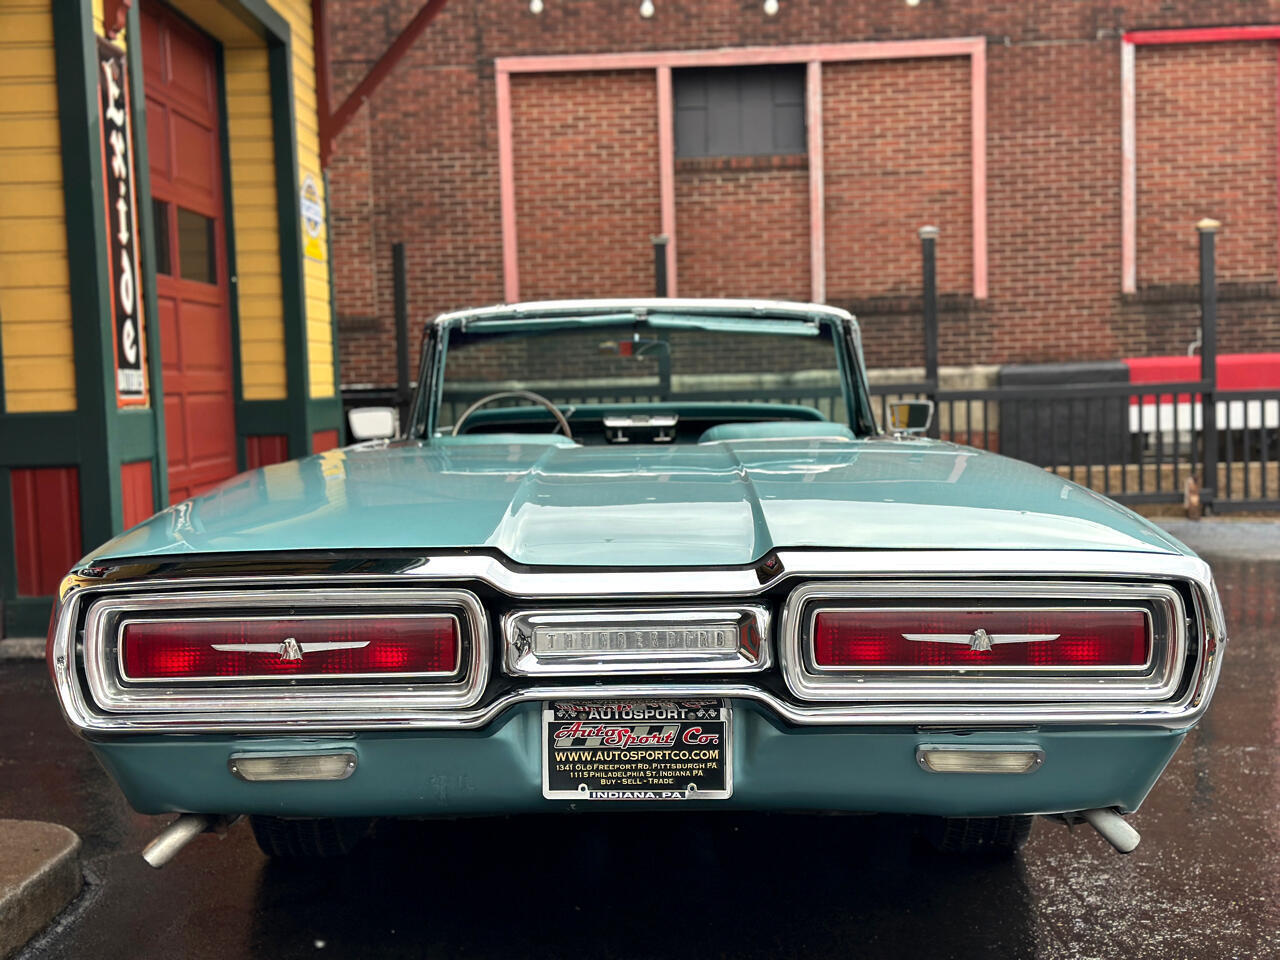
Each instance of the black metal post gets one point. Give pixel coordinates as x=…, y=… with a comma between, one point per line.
x=660, y=265
x=929, y=264
x=1209, y=358
x=929, y=271
x=400, y=289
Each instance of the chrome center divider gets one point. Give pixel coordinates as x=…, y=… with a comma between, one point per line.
x=791, y=570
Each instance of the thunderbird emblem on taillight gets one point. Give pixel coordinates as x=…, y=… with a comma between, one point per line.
x=980, y=641
x=289, y=650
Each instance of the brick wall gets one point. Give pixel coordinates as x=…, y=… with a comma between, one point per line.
x=419, y=164
x=1207, y=147
x=743, y=227
x=586, y=171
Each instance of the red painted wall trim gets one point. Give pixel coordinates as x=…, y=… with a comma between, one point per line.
x=661, y=63
x=1129, y=123
x=1266, y=31
x=667, y=173
x=264, y=450
x=46, y=527
x=323, y=440
x=817, y=183
x=136, y=492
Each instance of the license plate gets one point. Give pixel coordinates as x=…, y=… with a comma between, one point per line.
x=636, y=750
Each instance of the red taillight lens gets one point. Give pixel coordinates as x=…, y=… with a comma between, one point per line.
x=1065, y=639
x=300, y=647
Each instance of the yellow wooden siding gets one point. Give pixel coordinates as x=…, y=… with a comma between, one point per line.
x=253, y=191
x=320, y=367
x=35, y=302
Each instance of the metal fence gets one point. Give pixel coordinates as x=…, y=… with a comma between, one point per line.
x=1136, y=443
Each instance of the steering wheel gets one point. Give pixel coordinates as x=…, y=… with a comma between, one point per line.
x=561, y=422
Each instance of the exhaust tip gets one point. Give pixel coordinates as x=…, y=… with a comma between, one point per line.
x=175, y=836
x=1113, y=828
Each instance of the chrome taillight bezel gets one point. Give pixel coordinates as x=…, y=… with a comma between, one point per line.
x=1159, y=679
x=105, y=617
x=117, y=635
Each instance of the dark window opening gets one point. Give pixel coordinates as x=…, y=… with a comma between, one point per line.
x=160, y=216
x=739, y=111
x=197, y=249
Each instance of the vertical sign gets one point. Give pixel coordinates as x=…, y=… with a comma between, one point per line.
x=312, y=218
x=122, y=226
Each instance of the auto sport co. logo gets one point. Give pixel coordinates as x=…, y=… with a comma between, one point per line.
x=619, y=736
x=627, y=736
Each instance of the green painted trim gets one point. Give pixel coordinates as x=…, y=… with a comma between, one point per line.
x=292, y=279
x=229, y=243
x=39, y=440
x=136, y=437
x=75, y=56
x=147, y=239
x=333, y=309
x=261, y=16
x=258, y=417
x=27, y=616
x=325, y=413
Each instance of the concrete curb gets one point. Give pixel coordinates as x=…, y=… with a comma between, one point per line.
x=39, y=875
x=22, y=648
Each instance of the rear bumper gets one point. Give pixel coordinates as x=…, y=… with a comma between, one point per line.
x=497, y=770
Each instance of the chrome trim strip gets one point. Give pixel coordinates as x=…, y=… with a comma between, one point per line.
x=686, y=583
x=103, y=676
x=523, y=660
x=312, y=647
x=1158, y=680
x=1174, y=716
x=1129, y=566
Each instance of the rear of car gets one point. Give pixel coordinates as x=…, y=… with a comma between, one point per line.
x=682, y=596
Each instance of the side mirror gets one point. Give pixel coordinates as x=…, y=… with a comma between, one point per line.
x=373, y=423
x=909, y=418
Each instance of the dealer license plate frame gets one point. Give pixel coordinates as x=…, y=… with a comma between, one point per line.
x=709, y=717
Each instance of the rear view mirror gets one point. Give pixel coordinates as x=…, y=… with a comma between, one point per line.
x=635, y=348
x=910, y=417
x=373, y=423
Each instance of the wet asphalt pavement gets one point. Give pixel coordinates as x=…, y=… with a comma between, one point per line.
x=1205, y=883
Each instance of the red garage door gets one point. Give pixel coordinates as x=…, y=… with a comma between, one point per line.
x=183, y=123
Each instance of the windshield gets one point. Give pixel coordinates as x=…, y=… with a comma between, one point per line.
x=598, y=368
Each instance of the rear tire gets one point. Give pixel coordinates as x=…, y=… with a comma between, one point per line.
x=308, y=839
x=980, y=836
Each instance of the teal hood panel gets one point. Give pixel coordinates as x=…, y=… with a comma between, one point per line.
x=706, y=504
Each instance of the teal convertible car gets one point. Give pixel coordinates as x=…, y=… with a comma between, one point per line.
x=616, y=560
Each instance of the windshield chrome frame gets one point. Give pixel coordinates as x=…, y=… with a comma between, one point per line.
x=425, y=404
